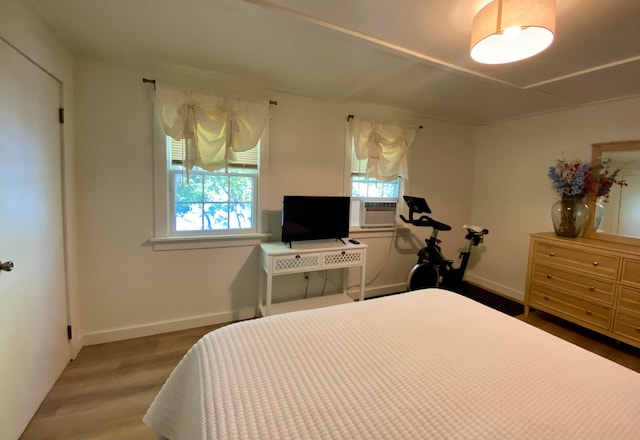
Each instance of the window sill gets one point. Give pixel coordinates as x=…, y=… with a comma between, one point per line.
x=357, y=231
x=205, y=241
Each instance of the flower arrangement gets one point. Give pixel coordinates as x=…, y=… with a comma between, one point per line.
x=604, y=180
x=574, y=180
x=577, y=178
x=570, y=178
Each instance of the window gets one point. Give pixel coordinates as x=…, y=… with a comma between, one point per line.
x=209, y=209
x=213, y=202
x=363, y=188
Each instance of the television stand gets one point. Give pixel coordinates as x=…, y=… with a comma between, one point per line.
x=278, y=259
x=291, y=242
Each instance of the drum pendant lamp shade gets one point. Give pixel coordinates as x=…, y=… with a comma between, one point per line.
x=505, y=31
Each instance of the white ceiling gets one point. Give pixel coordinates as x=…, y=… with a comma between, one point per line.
x=412, y=54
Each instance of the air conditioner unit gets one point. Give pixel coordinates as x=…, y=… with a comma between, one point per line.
x=377, y=214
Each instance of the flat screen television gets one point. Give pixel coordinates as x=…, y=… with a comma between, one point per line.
x=314, y=218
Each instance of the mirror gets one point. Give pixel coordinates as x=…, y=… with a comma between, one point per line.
x=617, y=218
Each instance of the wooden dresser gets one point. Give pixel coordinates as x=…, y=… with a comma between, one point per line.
x=593, y=283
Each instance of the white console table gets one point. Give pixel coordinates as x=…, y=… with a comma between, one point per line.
x=279, y=259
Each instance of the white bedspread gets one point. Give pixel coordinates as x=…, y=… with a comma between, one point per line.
x=428, y=364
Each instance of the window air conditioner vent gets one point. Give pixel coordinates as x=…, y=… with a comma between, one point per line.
x=377, y=214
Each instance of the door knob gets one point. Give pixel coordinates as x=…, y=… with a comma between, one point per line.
x=6, y=266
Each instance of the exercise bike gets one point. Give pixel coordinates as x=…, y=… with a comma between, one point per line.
x=432, y=269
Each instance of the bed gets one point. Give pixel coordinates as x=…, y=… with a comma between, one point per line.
x=428, y=364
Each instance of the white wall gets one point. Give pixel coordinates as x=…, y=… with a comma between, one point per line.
x=494, y=176
x=128, y=289
x=512, y=195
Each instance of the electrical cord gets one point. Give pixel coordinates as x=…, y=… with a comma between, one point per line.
x=306, y=287
x=325, y=283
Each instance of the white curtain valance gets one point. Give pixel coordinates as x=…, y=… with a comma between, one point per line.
x=384, y=146
x=213, y=127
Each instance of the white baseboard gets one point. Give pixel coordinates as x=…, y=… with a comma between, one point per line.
x=75, y=345
x=499, y=289
x=372, y=292
x=119, y=334
x=123, y=333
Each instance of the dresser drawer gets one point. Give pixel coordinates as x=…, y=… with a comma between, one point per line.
x=590, y=288
x=342, y=258
x=296, y=263
x=572, y=307
x=308, y=261
x=630, y=271
x=629, y=299
x=593, y=263
x=627, y=325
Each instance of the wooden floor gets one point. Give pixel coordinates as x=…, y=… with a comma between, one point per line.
x=620, y=353
x=105, y=391
x=103, y=394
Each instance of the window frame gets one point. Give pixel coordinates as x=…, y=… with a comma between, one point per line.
x=351, y=172
x=172, y=173
x=403, y=186
x=397, y=182
x=164, y=235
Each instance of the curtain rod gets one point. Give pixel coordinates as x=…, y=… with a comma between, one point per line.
x=153, y=81
x=350, y=117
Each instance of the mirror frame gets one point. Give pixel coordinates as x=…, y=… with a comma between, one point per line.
x=596, y=155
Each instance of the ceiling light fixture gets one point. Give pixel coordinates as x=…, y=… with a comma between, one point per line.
x=505, y=31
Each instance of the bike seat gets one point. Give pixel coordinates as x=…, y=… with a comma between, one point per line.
x=476, y=229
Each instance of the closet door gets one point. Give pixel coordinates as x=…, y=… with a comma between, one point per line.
x=33, y=306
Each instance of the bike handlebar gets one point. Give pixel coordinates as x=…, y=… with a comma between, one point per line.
x=427, y=221
x=419, y=205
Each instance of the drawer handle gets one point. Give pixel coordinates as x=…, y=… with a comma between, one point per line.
x=343, y=252
x=552, y=254
x=549, y=277
x=637, y=329
x=595, y=263
x=546, y=297
x=297, y=256
x=591, y=288
x=589, y=312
